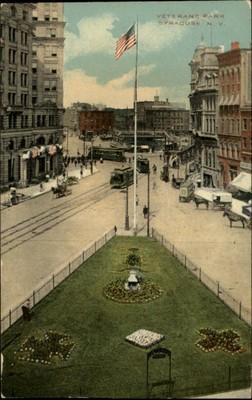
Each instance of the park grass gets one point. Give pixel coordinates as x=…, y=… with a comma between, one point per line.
x=102, y=363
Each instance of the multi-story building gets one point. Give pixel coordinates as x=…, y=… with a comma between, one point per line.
x=203, y=105
x=31, y=129
x=234, y=114
x=97, y=121
x=163, y=115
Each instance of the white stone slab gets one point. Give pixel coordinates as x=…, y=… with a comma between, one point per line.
x=144, y=338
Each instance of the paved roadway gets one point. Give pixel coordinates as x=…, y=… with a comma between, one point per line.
x=203, y=235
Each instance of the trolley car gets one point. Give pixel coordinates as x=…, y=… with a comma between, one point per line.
x=121, y=177
x=142, y=165
x=107, y=153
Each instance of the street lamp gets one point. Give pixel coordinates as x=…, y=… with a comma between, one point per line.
x=91, y=165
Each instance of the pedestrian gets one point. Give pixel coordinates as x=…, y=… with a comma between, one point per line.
x=81, y=173
x=115, y=229
x=26, y=308
x=94, y=162
x=75, y=163
x=137, y=200
x=145, y=211
x=160, y=156
x=41, y=186
x=101, y=160
x=129, y=160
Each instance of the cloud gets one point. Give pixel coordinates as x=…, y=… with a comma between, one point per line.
x=78, y=86
x=118, y=92
x=95, y=36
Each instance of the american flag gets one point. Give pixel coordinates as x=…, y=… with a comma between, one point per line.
x=125, y=42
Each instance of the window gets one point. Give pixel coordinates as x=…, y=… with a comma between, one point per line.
x=25, y=15
x=244, y=124
x=244, y=142
x=34, y=18
x=13, y=11
x=26, y=121
x=54, y=54
x=34, y=101
x=47, y=17
x=54, y=71
x=34, y=53
x=12, y=56
x=24, y=99
x=1, y=77
x=1, y=122
x=1, y=31
x=34, y=70
x=1, y=54
x=43, y=120
x=12, y=34
x=38, y=120
x=12, y=99
x=12, y=77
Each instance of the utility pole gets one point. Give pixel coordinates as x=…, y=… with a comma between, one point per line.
x=127, y=205
x=91, y=165
x=148, y=200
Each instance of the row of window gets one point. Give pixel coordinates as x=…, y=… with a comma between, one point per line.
x=38, y=121
x=229, y=151
x=46, y=18
x=210, y=104
x=210, y=125
x=13, y=12
x=233, y=126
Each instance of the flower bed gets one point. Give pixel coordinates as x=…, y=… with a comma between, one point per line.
x=213, y=340
x=42, y=350
x=116, y=291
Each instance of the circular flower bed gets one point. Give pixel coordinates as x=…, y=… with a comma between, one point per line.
x=41, y=350
x=116, y=291
x=213, y=340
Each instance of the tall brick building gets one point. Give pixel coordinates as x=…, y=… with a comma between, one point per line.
x=234, y=112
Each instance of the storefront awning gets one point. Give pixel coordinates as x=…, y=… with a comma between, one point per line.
x=242, y=182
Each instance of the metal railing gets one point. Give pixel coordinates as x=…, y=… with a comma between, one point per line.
x=54, y=280
x=236, y=306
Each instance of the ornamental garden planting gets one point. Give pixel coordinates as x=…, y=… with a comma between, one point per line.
x=90, y=336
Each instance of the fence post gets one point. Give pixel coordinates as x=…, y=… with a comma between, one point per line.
x=152, y=232
x=69, y=268
x=9, y=317
x=83, y=256
x=185, y=262
x=240, y=307
x=173, y=249
x=105, y=238
x=229, y=377
x=95, y=247
x=200, y=274
x=53, y=280
x=33, y=297
x=162, y=241
x=218, y=288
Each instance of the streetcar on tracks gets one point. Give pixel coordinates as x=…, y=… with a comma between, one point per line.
x=121, y=177
x=142, y=165
x=106, y=153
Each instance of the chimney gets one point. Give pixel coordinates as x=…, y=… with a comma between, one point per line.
x=235, y=45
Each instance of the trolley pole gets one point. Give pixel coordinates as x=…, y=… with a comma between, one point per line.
x=127, y=206
x=148, y=200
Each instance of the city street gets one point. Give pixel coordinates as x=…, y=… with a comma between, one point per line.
x=52, y=235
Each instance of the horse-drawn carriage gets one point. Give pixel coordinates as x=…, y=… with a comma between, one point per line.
x=217, y=198
x=61, y=190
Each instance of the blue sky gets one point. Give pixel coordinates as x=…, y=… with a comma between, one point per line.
x=92, y=74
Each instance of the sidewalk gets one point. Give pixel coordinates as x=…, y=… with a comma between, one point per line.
x=236, y=394
x=35, y=190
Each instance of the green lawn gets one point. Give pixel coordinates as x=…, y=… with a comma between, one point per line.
x=102, y=363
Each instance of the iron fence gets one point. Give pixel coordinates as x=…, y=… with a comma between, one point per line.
x=54, y=280
x=236, y=306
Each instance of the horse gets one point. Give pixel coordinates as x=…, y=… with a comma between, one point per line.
x=200, y=200
x=234, y=218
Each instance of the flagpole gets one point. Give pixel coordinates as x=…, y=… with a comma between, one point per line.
x=135, y=137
